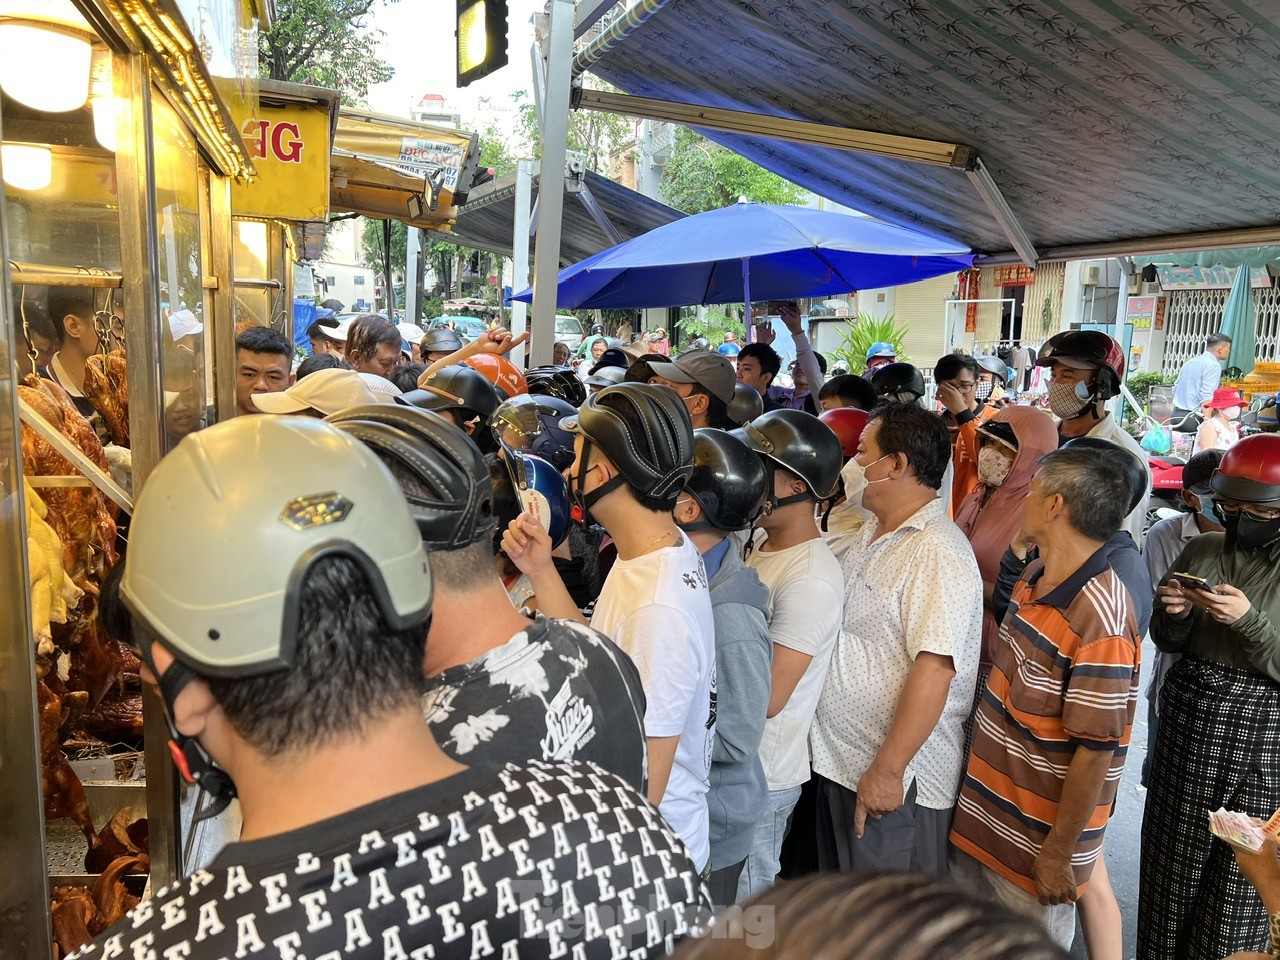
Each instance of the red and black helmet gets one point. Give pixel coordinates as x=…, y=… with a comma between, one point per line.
x=1250, y=471
x=847, y=423
x=1087, y=349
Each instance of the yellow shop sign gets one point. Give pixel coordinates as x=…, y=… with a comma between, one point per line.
x=290, y=148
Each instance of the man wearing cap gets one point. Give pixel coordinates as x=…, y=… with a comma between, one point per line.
x=328, y=336
x=360, y=836
x=730, y=346
x=412, y=335
x=704, y=381
x=320, y=394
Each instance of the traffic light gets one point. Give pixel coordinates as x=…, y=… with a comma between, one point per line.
x=482, y=38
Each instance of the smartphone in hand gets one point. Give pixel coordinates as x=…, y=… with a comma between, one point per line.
x=776, y=307
x=1192, y=582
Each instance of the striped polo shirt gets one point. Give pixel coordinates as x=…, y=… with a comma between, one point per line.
x=1065, y=676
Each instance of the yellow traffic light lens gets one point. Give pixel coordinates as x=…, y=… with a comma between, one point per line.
x=473, y=38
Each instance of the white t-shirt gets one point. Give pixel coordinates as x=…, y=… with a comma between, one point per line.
x=657, y=608
x=805, y=587
x=915, y=590
x=1108, y=428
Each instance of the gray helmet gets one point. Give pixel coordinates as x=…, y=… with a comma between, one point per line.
x=441, y=340
x=441, y=472
x=746, y=405
x=996, y=366
x=230, y=522
x=606, y=376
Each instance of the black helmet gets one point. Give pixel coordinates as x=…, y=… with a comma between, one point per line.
x=456, y=388
x=442, y=473
x=1087, y=349
x=441, y=340
x=655, y=459
x=553, y=381
x=597, y=330
x=728, y=480
x=898, y=381
x=801, y=443
x=530, y=423
x=746, y=405
x=1135, y=470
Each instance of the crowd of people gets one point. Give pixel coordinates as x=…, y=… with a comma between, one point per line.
x=656, y=656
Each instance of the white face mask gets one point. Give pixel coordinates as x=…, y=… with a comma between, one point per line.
x=865, y=481
x=1231, y=413
x=854, y=479
x=994, y=465
x=1068, y=400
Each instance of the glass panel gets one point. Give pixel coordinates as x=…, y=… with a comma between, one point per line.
x=182, y=362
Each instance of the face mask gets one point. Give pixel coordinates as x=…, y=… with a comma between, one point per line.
x=984, y=389
x=1207, y=510
x=854, y=479
x=866, y=482
x=993, y=465
x=1231, y=413
x=1068, y=400
x=1249, y=534
x=580, y=501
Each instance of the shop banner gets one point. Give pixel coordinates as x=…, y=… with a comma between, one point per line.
x=289, y=146
x=1017, y=275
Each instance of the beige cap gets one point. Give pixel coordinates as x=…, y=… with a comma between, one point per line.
x=327, y=391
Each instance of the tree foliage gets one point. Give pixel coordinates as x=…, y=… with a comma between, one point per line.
x=328, y=43
x=858, y=336
x=701, y=176
x=371, y=247
x=598, y=135
x=714, y=324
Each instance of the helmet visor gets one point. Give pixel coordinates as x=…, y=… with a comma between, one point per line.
x=516, y=428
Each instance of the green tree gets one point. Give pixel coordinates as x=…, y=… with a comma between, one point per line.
x=371, y=247
x=598, y=135
x=701, y=176
x=328, y=43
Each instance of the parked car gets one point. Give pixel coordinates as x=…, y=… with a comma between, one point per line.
x=468, y=327
x=569, y=330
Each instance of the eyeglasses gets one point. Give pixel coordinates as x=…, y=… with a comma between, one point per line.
x=964, y=386
x=1261, y=514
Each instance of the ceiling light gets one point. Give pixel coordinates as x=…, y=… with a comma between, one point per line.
x=106, y=113
x=26, y=167
x=45, y=54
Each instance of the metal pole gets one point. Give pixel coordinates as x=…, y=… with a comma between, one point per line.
x=411, y=257
x=555, y=133
x=386, y=268
x=520, y=251
x=746, y=294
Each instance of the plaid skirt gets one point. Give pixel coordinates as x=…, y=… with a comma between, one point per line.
x=1218, y=745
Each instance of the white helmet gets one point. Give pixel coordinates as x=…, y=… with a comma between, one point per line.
x=228, y=524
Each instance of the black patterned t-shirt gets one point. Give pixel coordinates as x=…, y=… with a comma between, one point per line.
x=556, y=691
x=546, y=860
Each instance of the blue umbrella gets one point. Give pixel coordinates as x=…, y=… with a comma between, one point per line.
x=750, y=251
x=1239, y=323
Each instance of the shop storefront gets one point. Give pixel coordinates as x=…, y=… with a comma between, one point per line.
x=120, y=151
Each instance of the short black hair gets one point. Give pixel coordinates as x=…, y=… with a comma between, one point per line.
x=917, y=434
x=265, y=340
x=320, y=361
x=851, y=390
x=368, y=332
x=765, y=355
x=1087, y=480
x=406, y=376
x=717, y=409
x=1217, y=338
x=350, y=669
x=1200, y=468
x=949, y=367
x=822, y=362
x=319, y=331
x=64, y=301
x=626, y=411
x=38, y=320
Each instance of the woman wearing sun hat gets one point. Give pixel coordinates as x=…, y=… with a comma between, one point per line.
x=1220, y=429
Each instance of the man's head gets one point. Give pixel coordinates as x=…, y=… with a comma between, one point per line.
x=758, y=364
x=411, y=339
x=1074, y=495
x=880, y=353
x=446, y=482
x=847, y=390
x=273, y=666
x=633, y=450
x=1086, y=368
x=38, y=333
x=319, y=394
x=799, y=378
x=317, y=362
x=961, y=372
x=560, y=354
x=1219, y=345
x=802, y=456
x=264, y=359
x=1196, y=492
x=598, y=347
x=71, y=310
x=730, y=337
x=704, y=381
x=727, y=488
x=327, y=340
x=439, y=343
x=373, y=345
x=903, y=451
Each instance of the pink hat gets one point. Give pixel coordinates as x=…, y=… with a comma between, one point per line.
x=1224, y=397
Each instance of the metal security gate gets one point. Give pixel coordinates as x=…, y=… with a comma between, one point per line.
x=1194, y=314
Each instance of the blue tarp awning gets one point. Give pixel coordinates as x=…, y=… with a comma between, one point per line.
x=1100, y=122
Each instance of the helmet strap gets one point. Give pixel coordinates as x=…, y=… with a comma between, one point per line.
x=193, y=763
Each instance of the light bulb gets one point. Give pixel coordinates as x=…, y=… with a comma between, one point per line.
x=26, y=167
x=44, y=66
x=106, y=111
